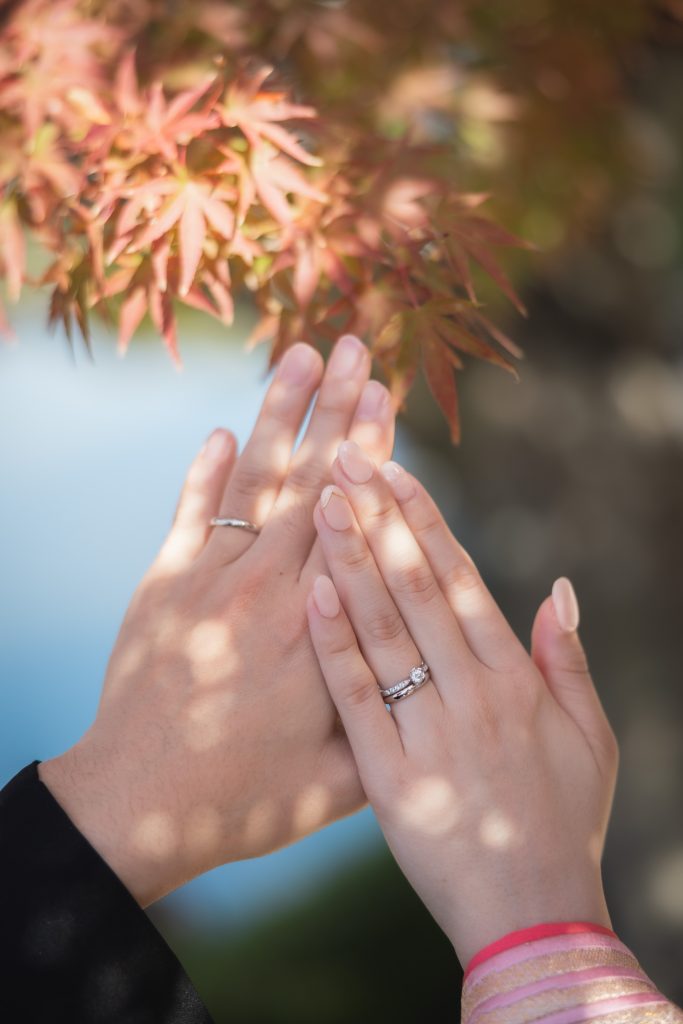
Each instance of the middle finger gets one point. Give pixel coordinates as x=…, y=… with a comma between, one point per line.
x=290, y=528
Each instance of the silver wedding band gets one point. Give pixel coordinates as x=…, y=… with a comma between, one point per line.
x=415, y=680
x=238, y=524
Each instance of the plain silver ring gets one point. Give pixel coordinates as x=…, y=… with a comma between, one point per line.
x=239, y=524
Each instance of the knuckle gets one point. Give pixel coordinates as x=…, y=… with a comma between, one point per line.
x=379, y=515
x=361, y=692
x=384, y=627
x=429, y=523
x=461, y=576
x=278, y=411
x=486, y=726
x=414, y=581
x=486, y=712
x=342, y=647
x=288, y=634
x=527, y=695
x=249, y=480
x=249, y=590
x=575, y=662
x=355, y=559
x=336, y=398
x=304, y=481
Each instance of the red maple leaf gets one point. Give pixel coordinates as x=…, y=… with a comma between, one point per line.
x=259, y=115
x=179, y=206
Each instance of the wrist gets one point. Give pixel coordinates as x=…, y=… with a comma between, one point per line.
x=471, y=937
x=87, y=795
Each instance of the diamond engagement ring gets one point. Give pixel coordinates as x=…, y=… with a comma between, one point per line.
x=405, y=687
x=239, y=524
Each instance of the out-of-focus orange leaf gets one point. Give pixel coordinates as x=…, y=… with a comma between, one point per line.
x=440, y=376
x=12, y=249
x=259, y=115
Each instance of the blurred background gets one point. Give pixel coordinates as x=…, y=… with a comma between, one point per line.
x=577, y=470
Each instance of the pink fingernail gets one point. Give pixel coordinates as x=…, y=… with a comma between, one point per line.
x=566, y=605
x=336, y=508
x=326, y=597
x=216, y=447
x=401, y=484
x=355, y=463
x=374, y=399
x=297, y=364
x=348, y=356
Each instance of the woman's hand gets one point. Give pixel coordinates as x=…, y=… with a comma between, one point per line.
x=493, y=782
x=215, y=738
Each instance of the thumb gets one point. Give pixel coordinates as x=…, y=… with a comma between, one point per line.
x=558, y=653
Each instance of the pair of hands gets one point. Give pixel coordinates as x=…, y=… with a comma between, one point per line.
x=216, y=739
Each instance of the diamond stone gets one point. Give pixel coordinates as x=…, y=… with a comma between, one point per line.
x=417, y=675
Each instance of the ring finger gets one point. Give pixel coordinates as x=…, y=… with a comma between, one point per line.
x=382, y=635
x=261, y=468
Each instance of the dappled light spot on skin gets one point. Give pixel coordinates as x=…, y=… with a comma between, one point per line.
x=264, y=503
x=430, y=805
x=665, y=886
x=155, y=835
x=395, y=548
x=260, y=824
x=130, y=661
x=207, y=641
x=205, y=719
x=311, y=808
x=202, y=831
x=497, y=831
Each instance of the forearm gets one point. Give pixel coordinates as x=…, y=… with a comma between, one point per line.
x=562, y=974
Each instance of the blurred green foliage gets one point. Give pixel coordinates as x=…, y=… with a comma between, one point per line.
x=360, y=948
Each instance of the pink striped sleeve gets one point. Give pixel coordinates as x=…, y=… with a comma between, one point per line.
x=563, y=973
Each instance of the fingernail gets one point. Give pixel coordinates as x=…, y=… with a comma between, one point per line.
x=216, y=447
x=348, y=356
x=566, y=605
x=336, y=508
x=355, y=462
x=297, y=364
x=401, y=484
x=373, y=400
x=326, y=597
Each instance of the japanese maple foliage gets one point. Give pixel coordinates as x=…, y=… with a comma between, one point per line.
x=161, y=161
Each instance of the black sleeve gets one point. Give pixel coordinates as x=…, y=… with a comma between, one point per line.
x=74, y=945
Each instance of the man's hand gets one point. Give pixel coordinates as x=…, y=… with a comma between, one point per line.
x=215, y=739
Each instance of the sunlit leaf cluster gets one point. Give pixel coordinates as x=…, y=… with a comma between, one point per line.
x=313, y=155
